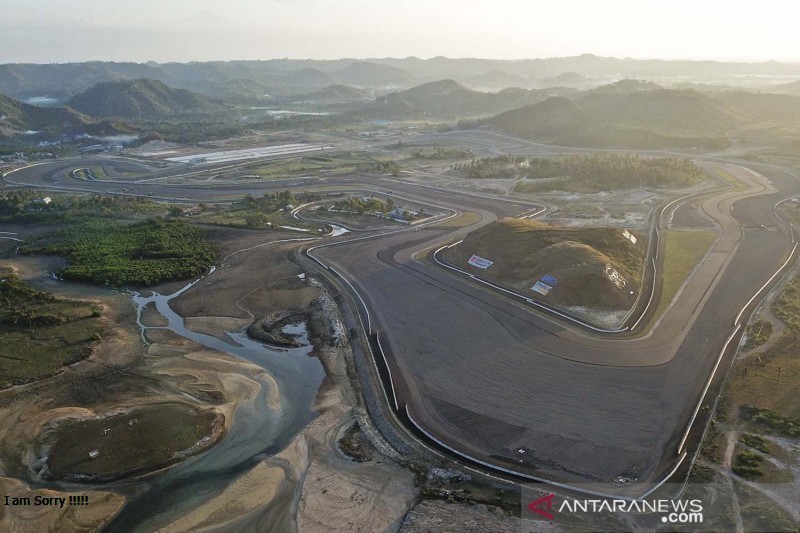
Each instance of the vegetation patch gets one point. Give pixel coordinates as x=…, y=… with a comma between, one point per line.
x=355, y=444
x=139, y=254
x=335, y=164
x=755, y=442
x=590, y=267
x=27, y=206
x=585, y=173
x=438, y=153
x=140, y=440
x=747, y=465
x=260, y=212
x=41, y=333
x=758, y=333
x=771, y=419
x=787, y=308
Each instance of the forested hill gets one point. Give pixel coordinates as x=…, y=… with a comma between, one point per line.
x=19, y=116
x=142, y=99
x=659, y=118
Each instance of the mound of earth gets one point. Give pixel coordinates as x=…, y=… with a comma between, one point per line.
x=597, y=268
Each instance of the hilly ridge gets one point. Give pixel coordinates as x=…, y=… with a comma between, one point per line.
x=142, y=99
x=19, y=116
x=448, y=98
x=657, y=118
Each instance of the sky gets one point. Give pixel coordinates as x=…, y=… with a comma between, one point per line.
x=57, y=31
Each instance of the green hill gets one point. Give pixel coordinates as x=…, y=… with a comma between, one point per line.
x=367, y=74
x=450, y=99
x=658, y=118
x=142, y=99
x=581, y=259
x=19, y=116
x=336, y=94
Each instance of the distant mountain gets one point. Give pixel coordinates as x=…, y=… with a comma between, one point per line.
x=336, y=94
x=212, y=77
x=307, y=77
x=142, y=99
x=762, y=107
x=495, y=79
x=16, y=116
x=787, y=88
x=658, y=118
x=449, y=99
x=366, y=74
x=626, y=86
x=567, y=79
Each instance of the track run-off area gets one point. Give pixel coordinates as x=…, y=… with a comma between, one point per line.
x=521, y=392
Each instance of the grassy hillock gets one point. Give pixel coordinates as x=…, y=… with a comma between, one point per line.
x=40, y=333
x=523, y=251
x=139, y=254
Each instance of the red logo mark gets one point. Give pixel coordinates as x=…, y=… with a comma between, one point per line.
x=539, y=506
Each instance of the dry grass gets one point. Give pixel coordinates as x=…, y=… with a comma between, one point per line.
x=683, y=250
x=523, y=251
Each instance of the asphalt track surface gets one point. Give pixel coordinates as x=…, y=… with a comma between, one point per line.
x=518, y=390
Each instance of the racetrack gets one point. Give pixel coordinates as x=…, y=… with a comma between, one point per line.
x=516, y=389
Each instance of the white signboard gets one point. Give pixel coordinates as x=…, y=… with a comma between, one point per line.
x=628, y=235
x=480, y=262
x=541, y=288
x=615, y=277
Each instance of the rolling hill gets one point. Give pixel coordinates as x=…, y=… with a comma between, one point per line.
x=658, y=118
x=16, y=116
x=142, y=99
x=366, y=74
x=449, y=99
x=336, y=94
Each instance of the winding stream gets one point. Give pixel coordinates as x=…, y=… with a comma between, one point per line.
x=257, y=431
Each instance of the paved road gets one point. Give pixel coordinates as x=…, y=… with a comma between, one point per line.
x=516, y=389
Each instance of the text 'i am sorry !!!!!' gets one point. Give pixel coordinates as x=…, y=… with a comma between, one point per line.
x=48, y=501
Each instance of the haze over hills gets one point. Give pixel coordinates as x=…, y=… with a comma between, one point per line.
x=448, y=98
x=141, y=99
x=655, y=118
x=336, y=94
x=265, y=79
